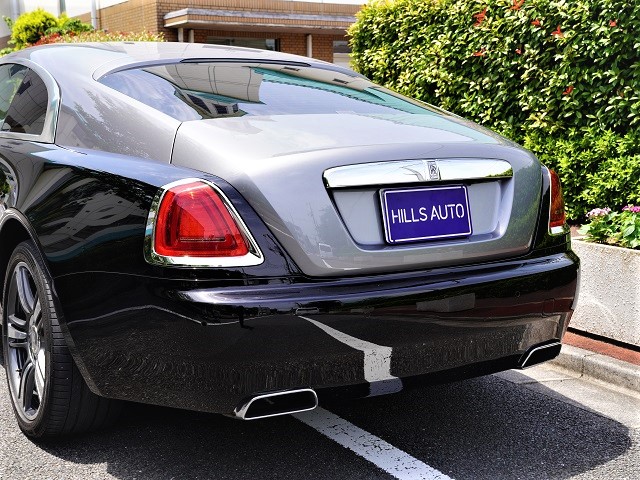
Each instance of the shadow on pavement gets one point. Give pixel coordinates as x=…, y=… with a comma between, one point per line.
x=484, y=428
x=488, y=428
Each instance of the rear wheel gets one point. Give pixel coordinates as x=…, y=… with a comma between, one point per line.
x=48, y=393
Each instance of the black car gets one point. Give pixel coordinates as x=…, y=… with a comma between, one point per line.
x=233, y=230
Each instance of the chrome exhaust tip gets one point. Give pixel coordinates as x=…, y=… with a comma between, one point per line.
x=539, y=354
x=277, y=403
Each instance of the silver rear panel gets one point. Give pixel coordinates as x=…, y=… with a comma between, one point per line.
x=490, y=205
x=337, y=231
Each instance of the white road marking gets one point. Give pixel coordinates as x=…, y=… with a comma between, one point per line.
x=392, y=460
x=377, y=360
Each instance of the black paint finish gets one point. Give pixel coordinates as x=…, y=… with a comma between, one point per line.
x=197, y=345
x=204, y=339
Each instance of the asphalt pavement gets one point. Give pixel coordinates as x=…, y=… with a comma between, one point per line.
x=541, y=423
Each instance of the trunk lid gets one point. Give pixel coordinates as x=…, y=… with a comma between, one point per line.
x=316, y=181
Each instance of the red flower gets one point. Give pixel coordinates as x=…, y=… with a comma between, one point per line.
x=480, y=53
x=517, y=4
x=518, y=51
x=536, y=23
x=558, y=33
x=480, y=16
x=568, y=90
x=613, y=23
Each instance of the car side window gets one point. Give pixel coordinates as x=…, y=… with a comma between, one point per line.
x=10, y=80
x=28, y=108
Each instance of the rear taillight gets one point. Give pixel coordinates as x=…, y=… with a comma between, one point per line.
x=557, y=218
x=192, y=223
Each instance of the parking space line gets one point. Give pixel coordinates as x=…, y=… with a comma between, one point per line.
x=377, y=360
x=392, y=460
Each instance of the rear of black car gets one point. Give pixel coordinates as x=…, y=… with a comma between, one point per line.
x=276, y=257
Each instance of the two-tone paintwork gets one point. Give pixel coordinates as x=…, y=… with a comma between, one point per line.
x=207, y=338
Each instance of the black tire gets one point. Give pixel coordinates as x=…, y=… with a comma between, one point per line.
x=48, y=394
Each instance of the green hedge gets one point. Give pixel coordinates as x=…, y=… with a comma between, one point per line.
x=596, y=168
x=550, y=74
x=29, y=27
x=101, y=36
x=39, y=27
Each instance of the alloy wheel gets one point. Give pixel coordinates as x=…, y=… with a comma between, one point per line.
x=25, y=343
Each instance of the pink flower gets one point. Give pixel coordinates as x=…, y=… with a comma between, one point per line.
x=536, y=23
x=598, y=212
x=557, y=33
x=568, y=90
x=613, y=23
x=632, y=208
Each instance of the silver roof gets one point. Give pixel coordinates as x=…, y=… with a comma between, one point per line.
x=97, y=59
x=86, y=114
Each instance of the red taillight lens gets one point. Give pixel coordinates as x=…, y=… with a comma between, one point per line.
x=193, y=221
x=556, y=212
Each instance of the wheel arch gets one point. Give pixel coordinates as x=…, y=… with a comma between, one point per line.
x=14, y=229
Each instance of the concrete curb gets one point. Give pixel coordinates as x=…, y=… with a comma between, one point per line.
x=604, y=369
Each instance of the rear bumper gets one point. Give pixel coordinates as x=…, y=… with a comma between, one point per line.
x=202, y=347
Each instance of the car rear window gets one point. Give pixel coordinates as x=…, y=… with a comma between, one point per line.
x=193, y=91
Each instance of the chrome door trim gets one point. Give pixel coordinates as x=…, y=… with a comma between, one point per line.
x=416, y=171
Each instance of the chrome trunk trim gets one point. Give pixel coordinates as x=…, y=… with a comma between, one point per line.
x=416, y=171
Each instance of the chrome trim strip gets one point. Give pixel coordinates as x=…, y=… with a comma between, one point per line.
x=241, y=410
x=562, y=229
x=48, y=134
x=252, y=258
x=416, y=171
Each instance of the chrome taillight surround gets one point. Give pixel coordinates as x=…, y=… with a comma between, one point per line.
x=253, y=257
x=560, y=229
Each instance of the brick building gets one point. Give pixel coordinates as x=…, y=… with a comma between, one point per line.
x=311, y=28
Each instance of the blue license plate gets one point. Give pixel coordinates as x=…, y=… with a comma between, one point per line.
x=412, y=215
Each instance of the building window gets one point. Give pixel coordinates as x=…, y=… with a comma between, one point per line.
x=259, y=43
x=342, y=53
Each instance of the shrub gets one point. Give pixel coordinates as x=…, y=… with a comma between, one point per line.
x=595, y=167
x=547, y=64
x=561, y=77
x=29, y=27
x=69, y=25
x=102, y=36
x=614, y=228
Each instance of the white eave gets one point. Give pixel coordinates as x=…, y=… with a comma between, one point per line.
x=218, y=19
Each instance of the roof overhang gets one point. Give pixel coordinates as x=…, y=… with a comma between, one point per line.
x=269, y=21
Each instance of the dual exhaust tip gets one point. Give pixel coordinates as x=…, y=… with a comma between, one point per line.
x=273, y=404
x=286, y=402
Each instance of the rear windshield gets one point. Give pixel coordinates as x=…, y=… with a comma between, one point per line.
x=193, y=91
